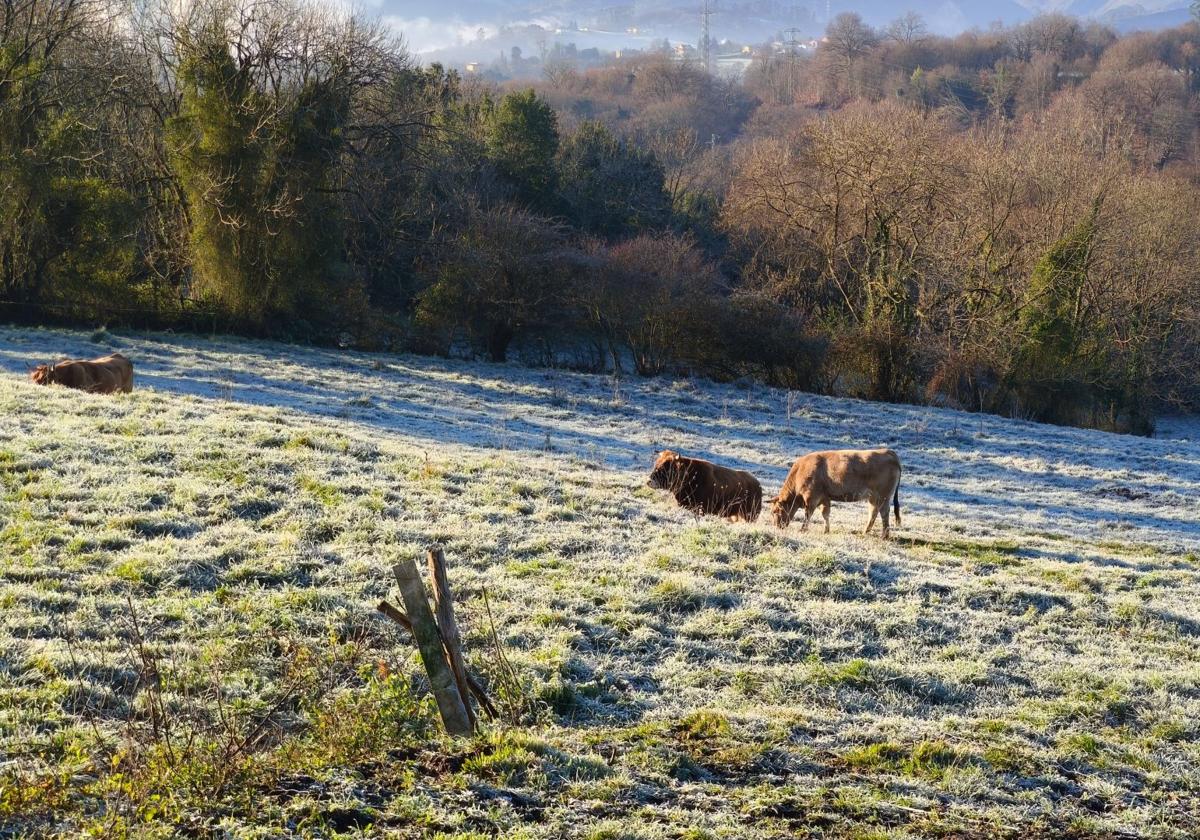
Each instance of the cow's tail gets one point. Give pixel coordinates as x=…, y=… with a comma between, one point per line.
x=896, y=500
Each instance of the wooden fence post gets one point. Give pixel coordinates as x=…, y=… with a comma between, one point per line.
x=451, y=704
x=444, y=608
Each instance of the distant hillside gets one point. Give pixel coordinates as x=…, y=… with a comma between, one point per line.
x=612, y=26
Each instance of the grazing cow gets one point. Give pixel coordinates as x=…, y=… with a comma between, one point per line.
x=844, y=475
x=105, y=375
x=703, y=487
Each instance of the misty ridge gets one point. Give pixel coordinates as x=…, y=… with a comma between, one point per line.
x=477, y=30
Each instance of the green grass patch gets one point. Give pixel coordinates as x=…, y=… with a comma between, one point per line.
x=856, y=673
x=988, y=554
x=925, y=759
x=324, y=492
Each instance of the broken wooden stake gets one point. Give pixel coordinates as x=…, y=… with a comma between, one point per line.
x=451, y=704
x=477, y=690
x=449, y=639
x=395, y=615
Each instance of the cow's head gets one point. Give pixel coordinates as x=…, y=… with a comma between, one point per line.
x=783, y=509
x=665, y=475
x=43, y=374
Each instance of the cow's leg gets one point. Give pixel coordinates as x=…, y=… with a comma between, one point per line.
x=807, y=518
x=883, y=514
x=825, y=514
x=874, y=513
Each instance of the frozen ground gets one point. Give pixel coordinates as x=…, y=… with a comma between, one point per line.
x=1023, y=658
x=976, y=471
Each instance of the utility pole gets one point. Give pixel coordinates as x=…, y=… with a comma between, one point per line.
x=707, y=55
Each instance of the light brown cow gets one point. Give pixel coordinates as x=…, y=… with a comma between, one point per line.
x=842, y=475
x=703, y=487
x=105, y=375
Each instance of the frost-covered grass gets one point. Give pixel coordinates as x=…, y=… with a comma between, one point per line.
x=202, y=557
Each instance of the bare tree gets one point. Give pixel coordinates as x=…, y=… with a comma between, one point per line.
x=560, y=74
x=651, y=295
x=847, y=40
x=907, y=29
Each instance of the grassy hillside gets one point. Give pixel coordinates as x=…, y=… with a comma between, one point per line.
x=188, y=643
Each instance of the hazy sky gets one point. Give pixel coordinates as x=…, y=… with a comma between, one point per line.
x=454, y=25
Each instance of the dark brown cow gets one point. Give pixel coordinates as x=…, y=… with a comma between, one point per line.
x=842, y=475
x=105, y=375
x=703, y=487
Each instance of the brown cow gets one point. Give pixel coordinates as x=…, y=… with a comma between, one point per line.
x=105, y=375
x=703, y=487
x=843, y=475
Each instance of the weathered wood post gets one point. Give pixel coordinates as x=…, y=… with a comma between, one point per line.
x=451, y=703
x=444, y=609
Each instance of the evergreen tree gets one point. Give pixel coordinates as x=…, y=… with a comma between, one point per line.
x=65, y=234
x=608, y=187
x=522, y=141
x=1052, y=375
x=255, y=156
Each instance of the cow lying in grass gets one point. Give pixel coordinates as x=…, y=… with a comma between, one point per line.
x=703, y=487
x=844, y=475
x=105, y=375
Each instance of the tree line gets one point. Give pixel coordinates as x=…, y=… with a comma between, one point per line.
x=1003, y=221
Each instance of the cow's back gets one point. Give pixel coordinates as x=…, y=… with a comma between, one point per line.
x=850, y=473
x=75, y=374
x=106, y=375
x=841, y=473
x=708, y=488
x=736, y=493
x=121, y=369
x=749, y=496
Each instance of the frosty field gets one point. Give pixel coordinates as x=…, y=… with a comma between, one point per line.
x=188, y=641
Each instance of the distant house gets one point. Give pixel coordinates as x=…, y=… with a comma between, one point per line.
x=472, y=67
